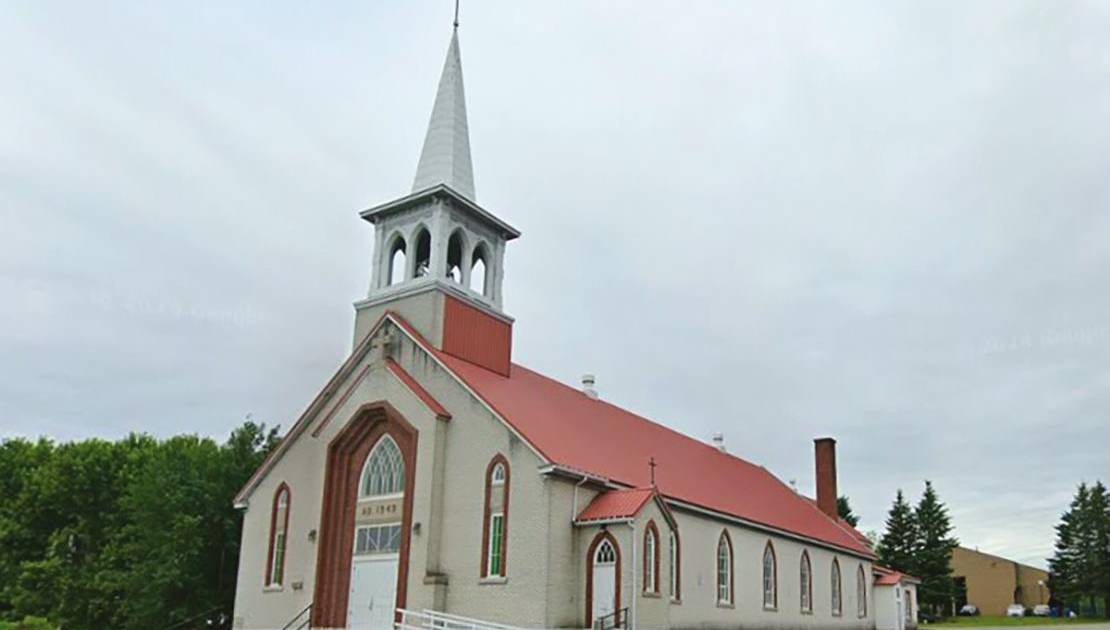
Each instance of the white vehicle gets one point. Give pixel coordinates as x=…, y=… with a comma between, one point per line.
x=1041, y=610
x=1015, y=610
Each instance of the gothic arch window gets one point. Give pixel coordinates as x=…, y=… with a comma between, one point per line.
x=724, y=570
x=675, y=567
x=805, y=576
x=397, y=256
x=456, y=245
x=279, y=528
x=495, y=522
x=770, y=578
x=837, y=594
x=651, y=558
x=383, y=474
x=422, y=263
x=479, y=270
x=861, y=592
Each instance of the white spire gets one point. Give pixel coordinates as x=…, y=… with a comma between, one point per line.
x=446, y=155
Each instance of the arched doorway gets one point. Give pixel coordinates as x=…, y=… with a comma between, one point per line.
x=362, y=559
x=377, y=538
x=603, y=579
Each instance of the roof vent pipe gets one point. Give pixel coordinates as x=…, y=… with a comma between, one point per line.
x=588, y=381
x=719, y=442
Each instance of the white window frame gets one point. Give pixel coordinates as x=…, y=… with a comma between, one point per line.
x=837, y=589
x=496, y=546
x=724, y=571
x=397, y=473
x=861, y=593
x=674, y=567
x=770, y=578
x=651, y=549
x=805, y=576
x=280, y=517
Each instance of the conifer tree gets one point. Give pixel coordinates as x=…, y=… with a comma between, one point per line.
x=1080, y=564
x=1066, y=564
x=933, y=553
x=844, y=511
x=899, y=543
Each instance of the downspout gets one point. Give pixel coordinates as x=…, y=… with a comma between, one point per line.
x=574, y=506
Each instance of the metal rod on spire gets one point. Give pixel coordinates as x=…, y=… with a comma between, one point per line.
x=456, y=13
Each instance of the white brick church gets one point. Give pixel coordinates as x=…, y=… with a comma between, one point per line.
x=433, y=473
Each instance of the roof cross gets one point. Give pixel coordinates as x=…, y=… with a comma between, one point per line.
x=652, y=465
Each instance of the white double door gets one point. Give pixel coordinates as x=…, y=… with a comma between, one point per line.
x=373, y=597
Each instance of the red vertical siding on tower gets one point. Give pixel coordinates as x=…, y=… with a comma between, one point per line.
x=477, y=337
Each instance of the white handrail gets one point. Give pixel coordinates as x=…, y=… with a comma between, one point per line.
x=435, y=620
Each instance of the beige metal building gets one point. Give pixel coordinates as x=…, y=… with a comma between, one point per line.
x=993, y=583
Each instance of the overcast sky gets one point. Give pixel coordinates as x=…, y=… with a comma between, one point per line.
x=886, y=222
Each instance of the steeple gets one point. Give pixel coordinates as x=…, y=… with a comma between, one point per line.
x=445, y=158
x=437, y=253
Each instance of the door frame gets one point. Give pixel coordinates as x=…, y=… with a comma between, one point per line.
x=601, y=537
x=347, y=453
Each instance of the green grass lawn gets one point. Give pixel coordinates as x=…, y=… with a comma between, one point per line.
x=981, y=622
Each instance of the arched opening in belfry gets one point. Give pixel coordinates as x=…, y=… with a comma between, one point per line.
x=396, y=261
x=479, y=271
x=422, y=265
x=455, y=257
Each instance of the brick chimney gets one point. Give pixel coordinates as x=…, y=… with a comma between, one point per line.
x=825, y=452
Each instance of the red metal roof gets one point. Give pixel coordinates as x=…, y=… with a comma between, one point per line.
x=890, y=577
x=616, y=504
x=579, y=432
x=417, y=389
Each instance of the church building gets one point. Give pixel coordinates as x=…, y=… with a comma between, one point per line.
x=432, y=473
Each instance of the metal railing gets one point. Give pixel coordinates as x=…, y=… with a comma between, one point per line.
x=301, y=621
x=433, y=620
x=615, y=619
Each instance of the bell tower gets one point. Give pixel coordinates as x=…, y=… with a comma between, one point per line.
x=436, y=247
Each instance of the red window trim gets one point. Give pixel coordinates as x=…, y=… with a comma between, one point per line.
x=486, y=511
x=602, y=536
x=268, y=578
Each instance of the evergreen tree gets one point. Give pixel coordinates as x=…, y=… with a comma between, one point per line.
x=1066, y=564
x=899, y=543
x=933, y=552
x=844, y=510
x=1099, y=522
x=1080, y=565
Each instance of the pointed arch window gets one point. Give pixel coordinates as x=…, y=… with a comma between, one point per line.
x=770, y=578
x=455, y=246
x=805, y=575
x=279, y=527
x=423, y=254
x=724, y=570
x=495, y=523
x=384, y=472
x=837, y=594
x=861, y=592
x=397, y=255
x=651, y=558
x=675, y=568
x=478, y=279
